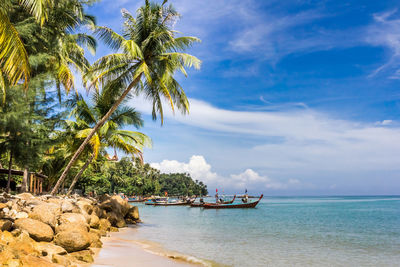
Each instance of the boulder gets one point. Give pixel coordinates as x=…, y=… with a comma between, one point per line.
x=71, y=226
x=116, y=219
x=21, y=215
x=83, y=255
x=85, y=206
x=94, y=221
x=37, y=230
x=72, y=218
x=104, y=226
x=46, y=213
x=117, y=205
x=5, y=225
x=133, y=213
x=49, y=249
x=3, y=205
x=6, y=237
x=30, y=260
x=61, y=260
x=68, y=206
x=25, y=196
x=73, y=240
x=95, y=236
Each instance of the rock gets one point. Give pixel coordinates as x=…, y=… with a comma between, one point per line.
x=23, y=244
x=37, y=230
x=95, y=236
x=99, y=212
x=25, y=196
x=104, y=226
x=30, y=260
x=73, y=240
x=71, y=226
x=3, y=205
x=117, y=205
x=5, y=225
x=94, y=221
x=85, y=206
x=21, y=215
x=133, y=213
x=49, y=249
x=67, y=206
x=6, y=237
x=62, y=260
x=72, y=218
x=46, y=213
x=114, y=229
x=116, y=219
x=33, y=202
x=83, y=255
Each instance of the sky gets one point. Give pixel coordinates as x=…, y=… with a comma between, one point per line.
x=292, y=98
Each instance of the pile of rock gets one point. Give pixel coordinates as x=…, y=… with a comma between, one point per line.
x=58, y=231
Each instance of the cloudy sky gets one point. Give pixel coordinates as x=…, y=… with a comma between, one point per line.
x=293, y=97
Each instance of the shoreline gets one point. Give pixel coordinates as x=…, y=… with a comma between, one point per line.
x=117, y=250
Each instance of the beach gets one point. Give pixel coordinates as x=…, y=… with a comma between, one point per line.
x=120, y=251
x=281, y=231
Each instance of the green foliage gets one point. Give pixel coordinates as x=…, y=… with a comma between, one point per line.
x=135, y=178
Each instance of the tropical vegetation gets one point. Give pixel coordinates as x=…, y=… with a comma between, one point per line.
x=48, y=127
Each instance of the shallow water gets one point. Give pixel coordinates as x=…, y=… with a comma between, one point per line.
x=282, y=231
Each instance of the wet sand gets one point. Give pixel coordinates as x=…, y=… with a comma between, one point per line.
x=120, y=252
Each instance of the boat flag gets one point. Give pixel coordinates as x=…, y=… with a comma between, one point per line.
x=166, y=193
x=245, y=191
x=216, y=190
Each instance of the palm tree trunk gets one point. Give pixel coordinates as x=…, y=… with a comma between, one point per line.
x=76, y=178
x=94, y=130
x=24, y=181
x=9, y=173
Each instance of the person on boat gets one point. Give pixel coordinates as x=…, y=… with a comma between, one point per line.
x=201, y=200
x=245, y=199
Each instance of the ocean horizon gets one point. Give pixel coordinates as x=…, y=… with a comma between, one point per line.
x=280, y=231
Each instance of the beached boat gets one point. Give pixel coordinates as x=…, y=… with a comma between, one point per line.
x=232, y=206
x=199, y=205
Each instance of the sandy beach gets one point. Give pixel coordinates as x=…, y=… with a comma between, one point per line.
x=118, y=251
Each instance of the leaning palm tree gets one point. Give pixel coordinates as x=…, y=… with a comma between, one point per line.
x=14, y=65
x=110, y=135
x=149, y=54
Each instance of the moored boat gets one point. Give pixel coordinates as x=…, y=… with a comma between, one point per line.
x=232, y=206
x=198, y=205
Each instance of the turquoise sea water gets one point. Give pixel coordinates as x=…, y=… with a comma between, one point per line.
x=282, y=231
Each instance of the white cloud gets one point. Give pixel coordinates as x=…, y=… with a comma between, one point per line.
x=385, y=31
x=197, y=167
x=200, y=170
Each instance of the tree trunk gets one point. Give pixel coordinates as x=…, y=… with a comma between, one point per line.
x=94, y=130
x=76, y=178
x=24, y=181
x=9, y=173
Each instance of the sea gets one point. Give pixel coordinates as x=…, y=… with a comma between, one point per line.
x=280, y=231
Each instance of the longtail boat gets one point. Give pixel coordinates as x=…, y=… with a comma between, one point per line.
x=232, y=206
x=198, y=205
x=177, y=203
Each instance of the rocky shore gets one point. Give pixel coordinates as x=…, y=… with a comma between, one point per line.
x=56, y=230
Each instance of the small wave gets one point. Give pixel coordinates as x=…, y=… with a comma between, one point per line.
x=158, y=249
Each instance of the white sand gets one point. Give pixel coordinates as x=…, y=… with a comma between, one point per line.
x=120, y=252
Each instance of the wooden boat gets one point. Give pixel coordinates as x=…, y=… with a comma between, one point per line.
x=232, y=206
x=177, y=203
x=135, y=199
x=198, y=205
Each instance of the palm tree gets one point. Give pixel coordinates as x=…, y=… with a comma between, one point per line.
x=110, y=135
x=14, y=64
x=63, y=49
x=148, y=56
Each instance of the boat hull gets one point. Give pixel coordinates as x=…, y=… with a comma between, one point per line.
x=232, y=206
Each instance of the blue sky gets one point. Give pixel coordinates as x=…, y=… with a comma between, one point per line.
x=293, y=97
